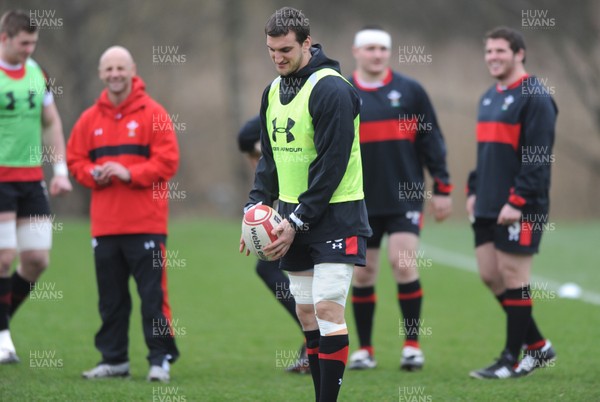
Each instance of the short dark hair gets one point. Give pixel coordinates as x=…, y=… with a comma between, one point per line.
x=288, y=19
x=15, y=21
x=514, y=38
x=374, y=27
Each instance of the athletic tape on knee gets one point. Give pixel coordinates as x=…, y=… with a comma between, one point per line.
x=301, y=288
x=328, y=327
x=8, y=235
x=332, y=282
x=34, y=236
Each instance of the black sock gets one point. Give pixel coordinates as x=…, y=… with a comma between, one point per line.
x=4, y=302
x=517, y=304
x=410, y=296
x=533, y=337
x=20, y=290
x=363, y=303
x=333, y=355
x=279, y=284
x=312, y=351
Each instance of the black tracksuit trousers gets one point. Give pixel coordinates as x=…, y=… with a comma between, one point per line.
x=142, y=256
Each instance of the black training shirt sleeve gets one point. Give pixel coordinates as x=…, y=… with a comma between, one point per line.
x=539, y=122
x=471, y=182
x=430, y=144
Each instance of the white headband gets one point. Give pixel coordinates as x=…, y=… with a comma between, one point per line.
x=373, y=37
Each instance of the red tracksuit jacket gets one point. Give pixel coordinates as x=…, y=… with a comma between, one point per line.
x=138, y=134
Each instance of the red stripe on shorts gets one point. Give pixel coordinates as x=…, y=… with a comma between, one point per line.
x=352, y=245
x=526, y=232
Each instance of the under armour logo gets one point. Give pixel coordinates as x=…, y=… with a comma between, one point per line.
x=513, y=231
x=289, y=136
x=414, y=216
x=149, y=244
x=336, y=244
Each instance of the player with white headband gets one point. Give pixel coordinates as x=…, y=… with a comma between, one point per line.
x=399, y=137
x=368, y=37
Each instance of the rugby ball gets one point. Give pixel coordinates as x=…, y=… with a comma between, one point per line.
x=257, y=225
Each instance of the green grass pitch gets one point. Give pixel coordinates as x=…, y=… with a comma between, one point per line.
x=234, y=337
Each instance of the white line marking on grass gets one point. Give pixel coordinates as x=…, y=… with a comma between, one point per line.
x=469, y=264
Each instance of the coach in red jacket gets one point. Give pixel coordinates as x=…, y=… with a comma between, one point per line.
x=124, y=151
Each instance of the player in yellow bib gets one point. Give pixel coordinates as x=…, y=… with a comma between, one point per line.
x=27, y=115
x=311, y=162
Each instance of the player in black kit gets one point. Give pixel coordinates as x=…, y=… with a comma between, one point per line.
x=399, y=136
x=508, y=196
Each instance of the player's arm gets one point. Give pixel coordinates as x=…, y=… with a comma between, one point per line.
x=52, y=135
x=333, y=105
x=533, y=178
x=163, y=161
x=470, y=190
x=432, y=151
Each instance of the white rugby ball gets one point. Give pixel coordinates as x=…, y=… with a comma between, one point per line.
x=257, y=225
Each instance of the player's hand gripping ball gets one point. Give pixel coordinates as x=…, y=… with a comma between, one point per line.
x=257, y=225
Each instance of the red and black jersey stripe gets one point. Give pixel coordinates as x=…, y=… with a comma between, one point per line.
x=399, y=136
